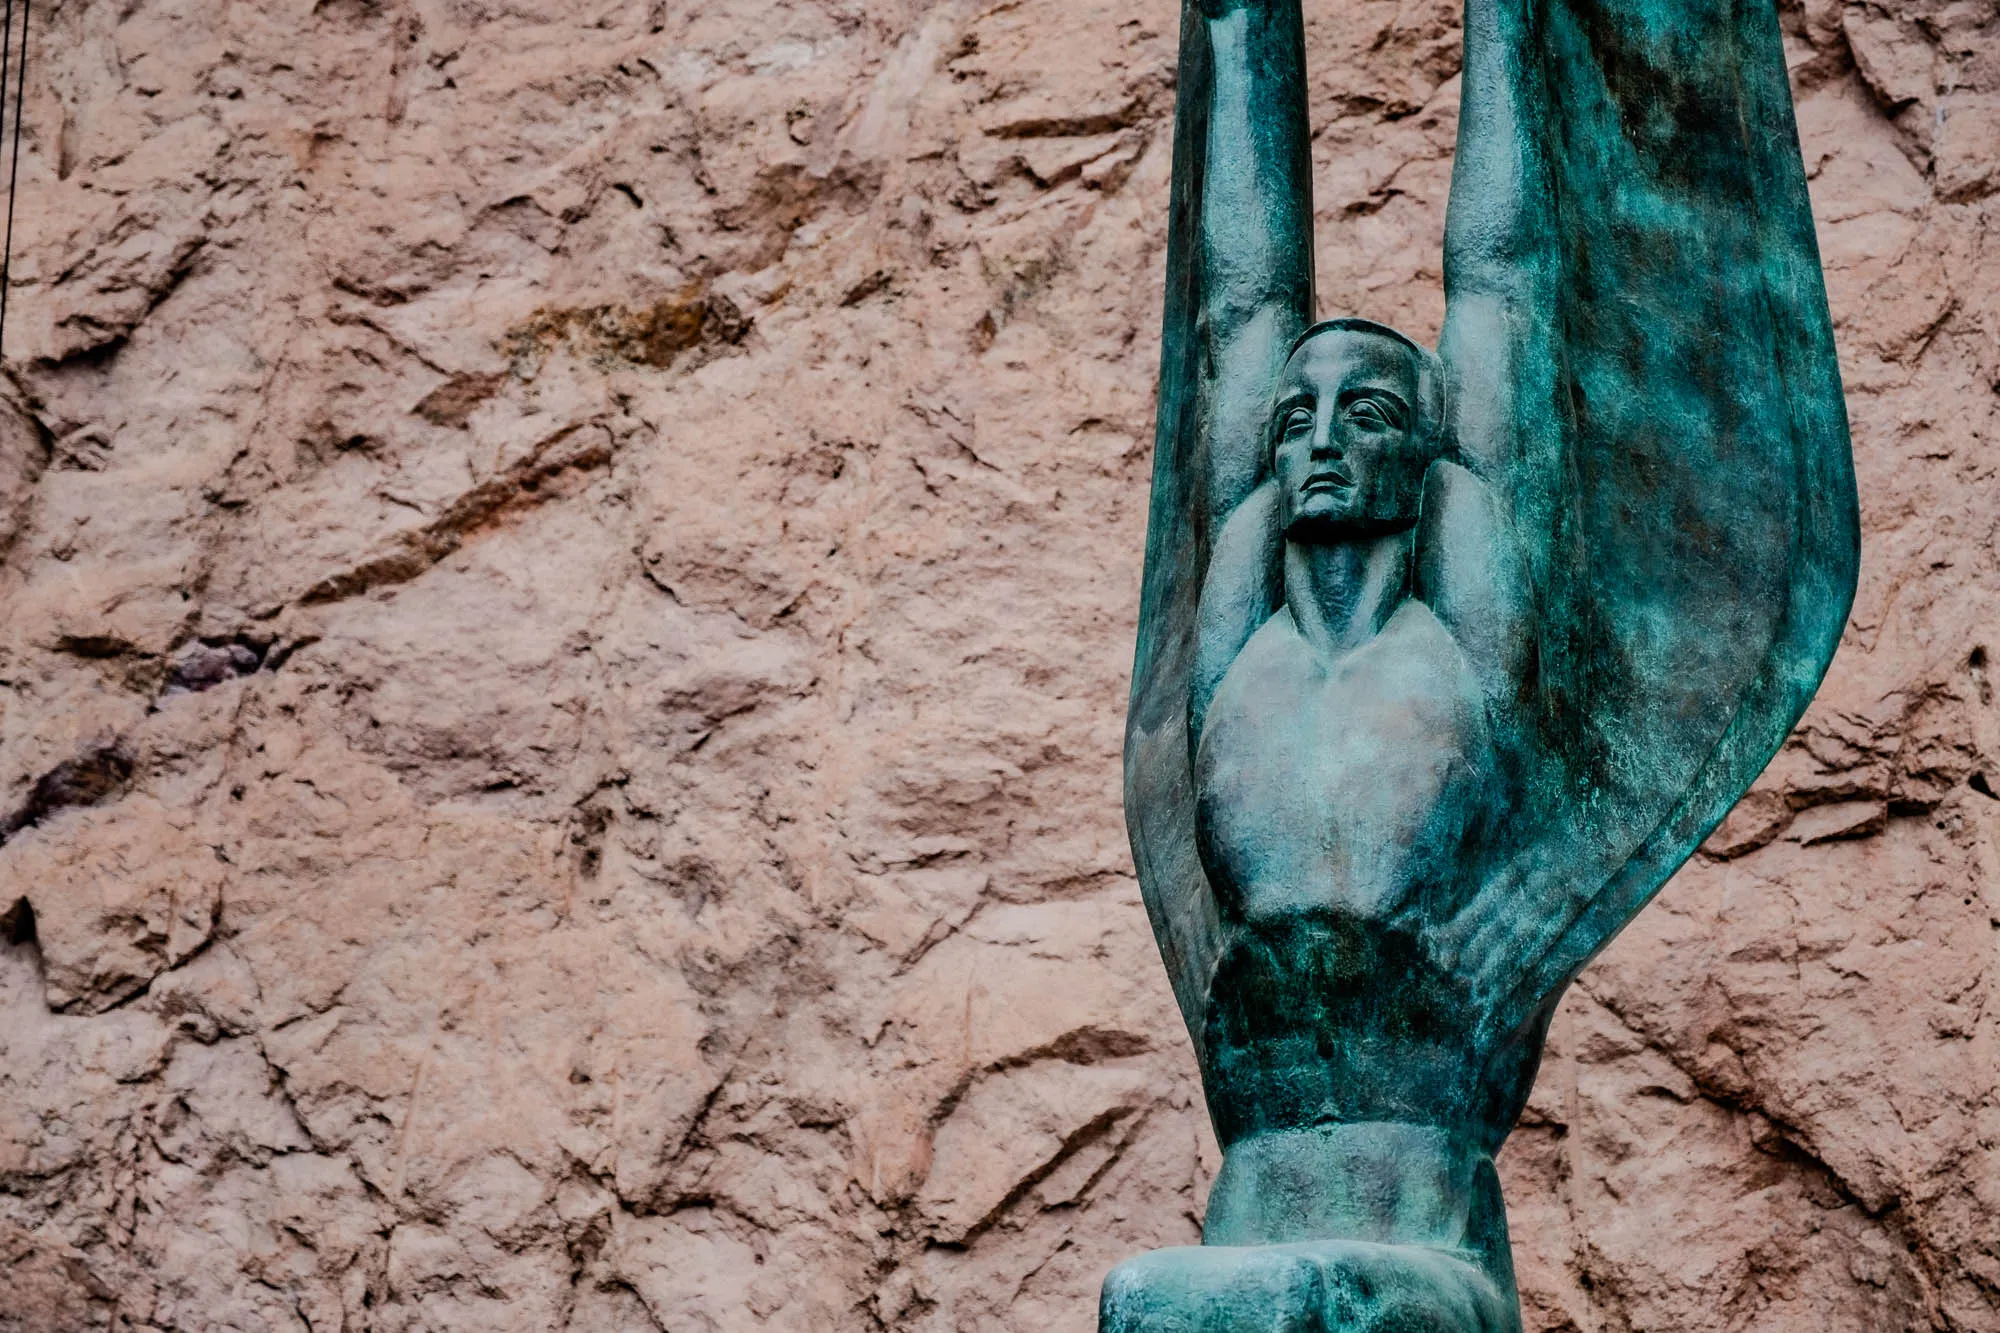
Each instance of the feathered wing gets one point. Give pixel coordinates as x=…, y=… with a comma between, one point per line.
x=1159, y=777
x=1239, y=288
x=1684, y=468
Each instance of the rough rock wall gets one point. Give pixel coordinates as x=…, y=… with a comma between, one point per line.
x=568, y=577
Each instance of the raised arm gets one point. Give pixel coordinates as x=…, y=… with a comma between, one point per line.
x=1253, y=248
x=1499, y=351
x=1500, y=248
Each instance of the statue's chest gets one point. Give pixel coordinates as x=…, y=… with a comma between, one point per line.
x=1346, y=783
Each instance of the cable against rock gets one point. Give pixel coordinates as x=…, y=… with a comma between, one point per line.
x=14, y=170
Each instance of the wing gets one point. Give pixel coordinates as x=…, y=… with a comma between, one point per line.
x=1673, y=435
x=1239, y=288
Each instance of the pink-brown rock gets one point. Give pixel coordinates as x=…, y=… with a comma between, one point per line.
x=567, y=574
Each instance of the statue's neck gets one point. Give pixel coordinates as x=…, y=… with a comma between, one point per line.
x=1341, y=592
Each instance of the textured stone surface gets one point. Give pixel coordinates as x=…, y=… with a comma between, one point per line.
x=568, y=583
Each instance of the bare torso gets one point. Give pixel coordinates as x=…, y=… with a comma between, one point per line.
x=1345, y=784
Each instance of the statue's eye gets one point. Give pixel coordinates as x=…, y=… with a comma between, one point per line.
x=1367, y=413
x=1298, y=421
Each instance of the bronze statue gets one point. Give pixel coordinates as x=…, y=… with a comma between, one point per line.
x=1447, y=660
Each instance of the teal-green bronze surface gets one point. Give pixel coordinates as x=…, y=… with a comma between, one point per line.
x=1448, y=659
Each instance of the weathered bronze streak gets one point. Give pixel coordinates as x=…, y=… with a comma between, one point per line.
x=1447, y=660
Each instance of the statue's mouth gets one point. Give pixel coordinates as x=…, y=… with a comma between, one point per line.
x=1329, y=480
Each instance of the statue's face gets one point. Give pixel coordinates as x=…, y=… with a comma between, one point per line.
x=1349, y=451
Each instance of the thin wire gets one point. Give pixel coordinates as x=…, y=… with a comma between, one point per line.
x=14, y=171
x=7, y=67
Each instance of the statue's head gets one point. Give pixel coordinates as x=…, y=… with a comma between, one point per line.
x=1359, y=418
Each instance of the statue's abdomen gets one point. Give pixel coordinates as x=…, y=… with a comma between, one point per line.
x=1336, y=805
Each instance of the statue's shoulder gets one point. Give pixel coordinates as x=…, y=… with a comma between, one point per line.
x=1418, y=659
x=1275, y=656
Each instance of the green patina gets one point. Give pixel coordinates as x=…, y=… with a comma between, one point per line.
x=1448, y=660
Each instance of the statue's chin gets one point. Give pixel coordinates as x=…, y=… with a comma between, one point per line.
x=1330, y=520
x=1322, y=520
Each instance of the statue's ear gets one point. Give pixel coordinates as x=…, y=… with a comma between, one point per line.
x=1434, y=404
x=1449, y=452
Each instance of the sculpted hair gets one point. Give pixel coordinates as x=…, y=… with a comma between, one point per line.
x=1431, y=406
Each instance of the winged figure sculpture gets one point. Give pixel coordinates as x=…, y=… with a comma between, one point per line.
x=1448, y=659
